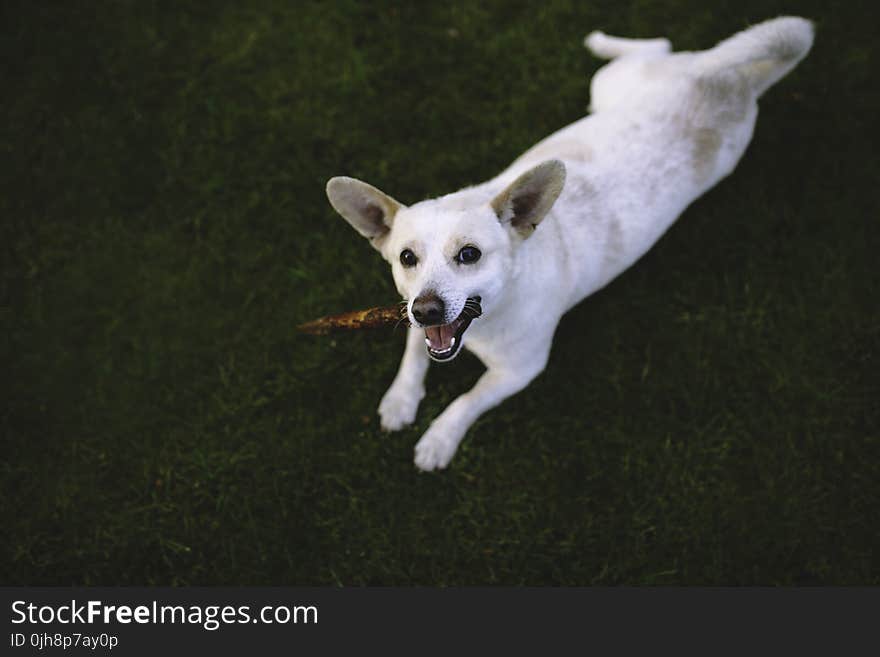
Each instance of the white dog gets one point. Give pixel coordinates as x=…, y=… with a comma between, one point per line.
x=494, y=267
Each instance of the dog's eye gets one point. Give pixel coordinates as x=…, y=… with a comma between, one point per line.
x=408, y=258
x=468, y=255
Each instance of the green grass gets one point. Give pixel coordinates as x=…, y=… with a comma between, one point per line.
x=709, y=418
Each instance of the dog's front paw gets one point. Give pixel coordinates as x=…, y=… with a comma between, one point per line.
x=398, y=409
x=435, y=450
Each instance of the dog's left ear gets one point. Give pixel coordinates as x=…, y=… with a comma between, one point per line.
x=528, y=199
x=368, y=210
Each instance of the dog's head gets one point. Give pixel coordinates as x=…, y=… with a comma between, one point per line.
x=451, y=256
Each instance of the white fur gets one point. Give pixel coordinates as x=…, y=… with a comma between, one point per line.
x=664, y=129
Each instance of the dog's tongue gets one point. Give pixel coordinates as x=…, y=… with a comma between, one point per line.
x=440, y=336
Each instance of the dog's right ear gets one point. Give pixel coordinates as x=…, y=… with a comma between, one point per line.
x=368, y=210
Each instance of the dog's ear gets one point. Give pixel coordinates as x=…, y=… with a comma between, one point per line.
x=528, y=199
x=368, y=210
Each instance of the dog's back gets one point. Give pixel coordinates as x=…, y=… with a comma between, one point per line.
x=665, y=127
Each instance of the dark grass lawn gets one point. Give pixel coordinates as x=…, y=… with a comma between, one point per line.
x=709, y=418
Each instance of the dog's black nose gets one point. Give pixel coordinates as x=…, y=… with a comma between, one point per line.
x=428, y=309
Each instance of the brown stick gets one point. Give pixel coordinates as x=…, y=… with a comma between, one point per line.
x=358, y=319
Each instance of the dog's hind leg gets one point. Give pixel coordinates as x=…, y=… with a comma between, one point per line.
x=615, y=83
x=609, y=47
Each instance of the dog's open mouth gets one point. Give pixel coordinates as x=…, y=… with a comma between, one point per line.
x=444, y=341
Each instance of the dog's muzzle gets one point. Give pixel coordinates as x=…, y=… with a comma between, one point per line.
x=444, y=340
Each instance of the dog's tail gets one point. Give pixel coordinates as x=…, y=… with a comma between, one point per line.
x=764, y=53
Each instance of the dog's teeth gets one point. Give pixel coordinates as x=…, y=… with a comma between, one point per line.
x=452, y=343
x=428, y=342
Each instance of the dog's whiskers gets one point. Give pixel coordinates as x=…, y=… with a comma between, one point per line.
x=404, y=317
x=472, y=308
